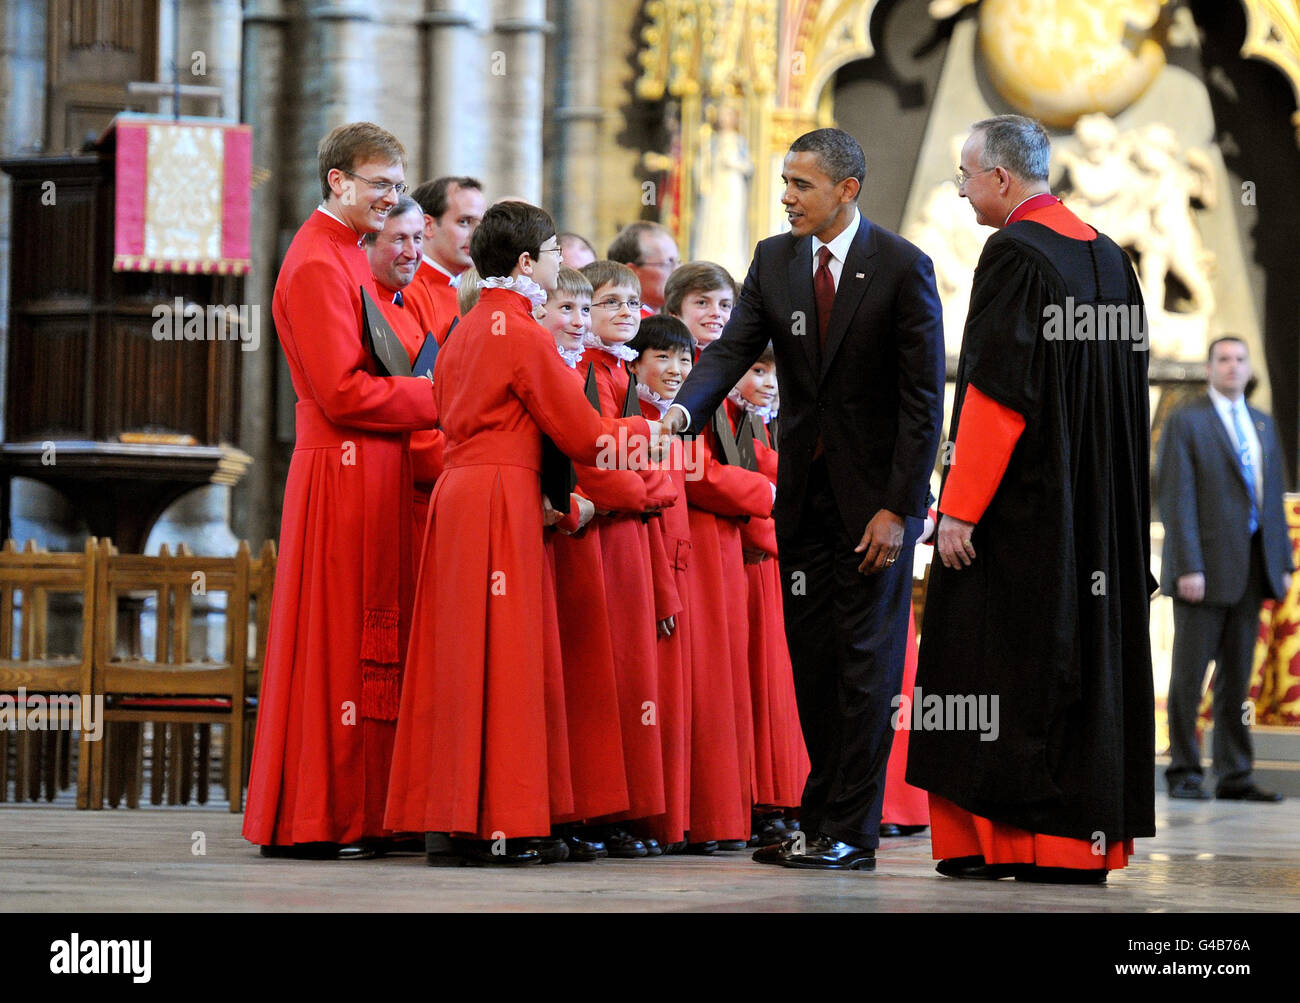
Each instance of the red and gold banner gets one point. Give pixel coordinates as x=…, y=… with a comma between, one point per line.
x=183, y=195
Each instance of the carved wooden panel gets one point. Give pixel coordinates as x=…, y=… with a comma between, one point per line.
x=42, y=406
x=96, y=47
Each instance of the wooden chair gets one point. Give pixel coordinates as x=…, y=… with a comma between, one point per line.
x=28, y=580
x=175, y=691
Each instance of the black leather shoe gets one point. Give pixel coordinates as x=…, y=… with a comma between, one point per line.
x=623, y=845
x=482, y=852
x=550, y=849
x=1250, y=793
x=438, y=851
x=584, y=850
x=975, y=868
x=652, y=848
x=702, y=849
x=888, y=830
x=1061, y=875
x=769, y=830
x=832, y=855
x=732, y=845
x=1189, y=788
x=779, y=853
x=322, y=851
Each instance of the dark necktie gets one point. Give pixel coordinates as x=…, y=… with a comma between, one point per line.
x=397, y=298
x=824, y=291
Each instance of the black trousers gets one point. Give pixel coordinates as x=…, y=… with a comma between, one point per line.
x=1226, y=634
x=847, y=634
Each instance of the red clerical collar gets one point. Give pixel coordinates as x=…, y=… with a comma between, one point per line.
x=1029, y=205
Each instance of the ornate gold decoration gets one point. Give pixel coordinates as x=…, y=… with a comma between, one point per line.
x=707, y=48
x=1273, y=34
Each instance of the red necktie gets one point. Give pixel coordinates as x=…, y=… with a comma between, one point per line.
x=824, y=291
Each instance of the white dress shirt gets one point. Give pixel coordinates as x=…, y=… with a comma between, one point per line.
x=1224, y=407
x=839, y=248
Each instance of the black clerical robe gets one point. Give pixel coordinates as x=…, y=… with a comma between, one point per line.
x=1033, y=700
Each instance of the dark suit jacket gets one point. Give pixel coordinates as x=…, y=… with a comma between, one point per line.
x=875, y=396
x=1205, y=505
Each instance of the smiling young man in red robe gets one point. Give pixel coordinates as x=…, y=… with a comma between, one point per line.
x=1037, y=612
x=344, y=581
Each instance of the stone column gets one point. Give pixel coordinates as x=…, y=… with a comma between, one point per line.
x=578, y=117
x=265, y=34
x=210, y=52
x=455, y=127
x=516, y=88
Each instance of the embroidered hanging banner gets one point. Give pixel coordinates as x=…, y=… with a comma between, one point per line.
x=183, y=195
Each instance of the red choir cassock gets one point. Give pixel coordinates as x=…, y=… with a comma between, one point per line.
x=904, y=804
x=411, y=327
x=670, y=542
x=722, y=742
x=988, y=431
x=472, y=751
x=600, y=773
x=344, y=582
x=435, y=298
x=781, y=763
x=628, y=565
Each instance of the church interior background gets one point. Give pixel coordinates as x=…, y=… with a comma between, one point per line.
x=1174, y=123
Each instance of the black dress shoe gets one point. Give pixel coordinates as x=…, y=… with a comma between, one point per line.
x=652, y=848
x=768, y=831
x=584, y=850
x=733, y=845
x=322, y=851
x=779, y=853
x=703, y=849
x=550, y=849
x=976, y=868
x=888, y=830
x=1061, y=875
x=1249, y=793
x=833, y=855
x=1189, y=788
x=496, y=853
x=623, y=845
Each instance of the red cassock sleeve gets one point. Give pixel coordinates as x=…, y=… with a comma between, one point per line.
x=667, y=601
x=727, y=490
x=334, y=358
x=612, y=490
x=569, y=523
x=558, y=405
x=987, y=434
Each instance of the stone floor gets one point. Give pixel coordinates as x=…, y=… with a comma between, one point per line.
x=1208, y=857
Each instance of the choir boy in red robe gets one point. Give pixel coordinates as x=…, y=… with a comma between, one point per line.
x=595, y=743
x=394, y=255
x=453, y=207
x=664, y=356
x=701, y=294
x=472, y=755
x=636, y=607
x=341, y=612
x=780, y=760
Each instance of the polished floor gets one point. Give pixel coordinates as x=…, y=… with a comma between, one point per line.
x=1208, y=857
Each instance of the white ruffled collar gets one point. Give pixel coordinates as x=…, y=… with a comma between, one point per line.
x=571, y=356
x=766, y=414
x=520, y=284
x=649, y=396
x=621, y=352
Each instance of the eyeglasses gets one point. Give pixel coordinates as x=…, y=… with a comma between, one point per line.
x=614, y=306
x=963, y=175
x=382, y=187
x=549, y=250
